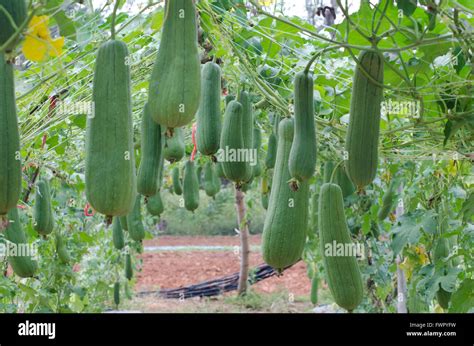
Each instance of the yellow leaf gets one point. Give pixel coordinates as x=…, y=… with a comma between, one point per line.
x=266, y=2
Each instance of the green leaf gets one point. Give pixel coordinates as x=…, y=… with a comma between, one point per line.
x=406, y=232
x=463, y=299
x=467, y=210
x=66, y=25
x=407, y=6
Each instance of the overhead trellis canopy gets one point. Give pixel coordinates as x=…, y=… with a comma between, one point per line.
x=262, y=49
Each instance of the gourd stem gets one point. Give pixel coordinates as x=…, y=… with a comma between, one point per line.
x=114, y=16
x=334, y=170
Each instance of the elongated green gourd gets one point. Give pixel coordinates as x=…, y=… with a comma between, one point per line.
x=134, y=221
x=175, y=84
x=10, y=165
x=23, y=266
x=216, y=180
x=328, y=170
x=199, y=175
x=155, y=205
x=441, y=252
x=123, y=222
x=117, y=234
x=117, y=293
x=257, y=142
x=344, y=182
x=190, y=187
x=271, y=151
x=177, y=186
x=210, y=186
x=110, y=162
x=61, y=250
x=340, y=178
x=17, y=10
x=314, y=290
x=302, y=162
x=209, y=121
x=228, y=98
x=286, y=220
x=265, y=192
x=151, y=158
x=219, y=170
x=364, y=123
x=247, y=129
x=174, y=146
x=234, y=164
x=43, y=211
x=388, y=201
x=128, y=267
x=314, y=212
x=343, y=274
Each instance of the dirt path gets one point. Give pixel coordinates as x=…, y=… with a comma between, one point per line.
x=173, y=269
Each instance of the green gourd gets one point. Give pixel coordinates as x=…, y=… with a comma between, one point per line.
x=388, y=201
x=340, y=178
x=17, y=9
x=302, y=162
x=23, y=266
x=234, y=165
x=43, y=211
x=61, y=250
x=343, y=274
x=364, y=123
x=155, y=205
x=228, y=98
x=265, y=192
x=110, y=163
x=286, y=220
x=257, y=142
x=177, y=186
x=175, y=84
x=314, y=212
x=117, y=234
x=314, y=290
x=117, y=293
x=247, y=129
x=134, y=221
x=174, y=146
x=190, y=187
x=123, y=222
x=209, y=121
x=441, y=252
x=151, y=157
x=210, y=186
x=128, y=267
x=219, y=170
x=199, y=175
x=10, y=165
x=271, y=151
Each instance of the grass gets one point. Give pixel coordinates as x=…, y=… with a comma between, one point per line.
x=253, y=302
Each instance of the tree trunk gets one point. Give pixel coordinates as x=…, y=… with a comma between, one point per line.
x=244, y=241
x=401, y=279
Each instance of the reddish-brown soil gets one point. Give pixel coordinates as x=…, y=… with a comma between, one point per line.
x=173, y=269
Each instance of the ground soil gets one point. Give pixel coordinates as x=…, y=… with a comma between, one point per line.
x=173, y=269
